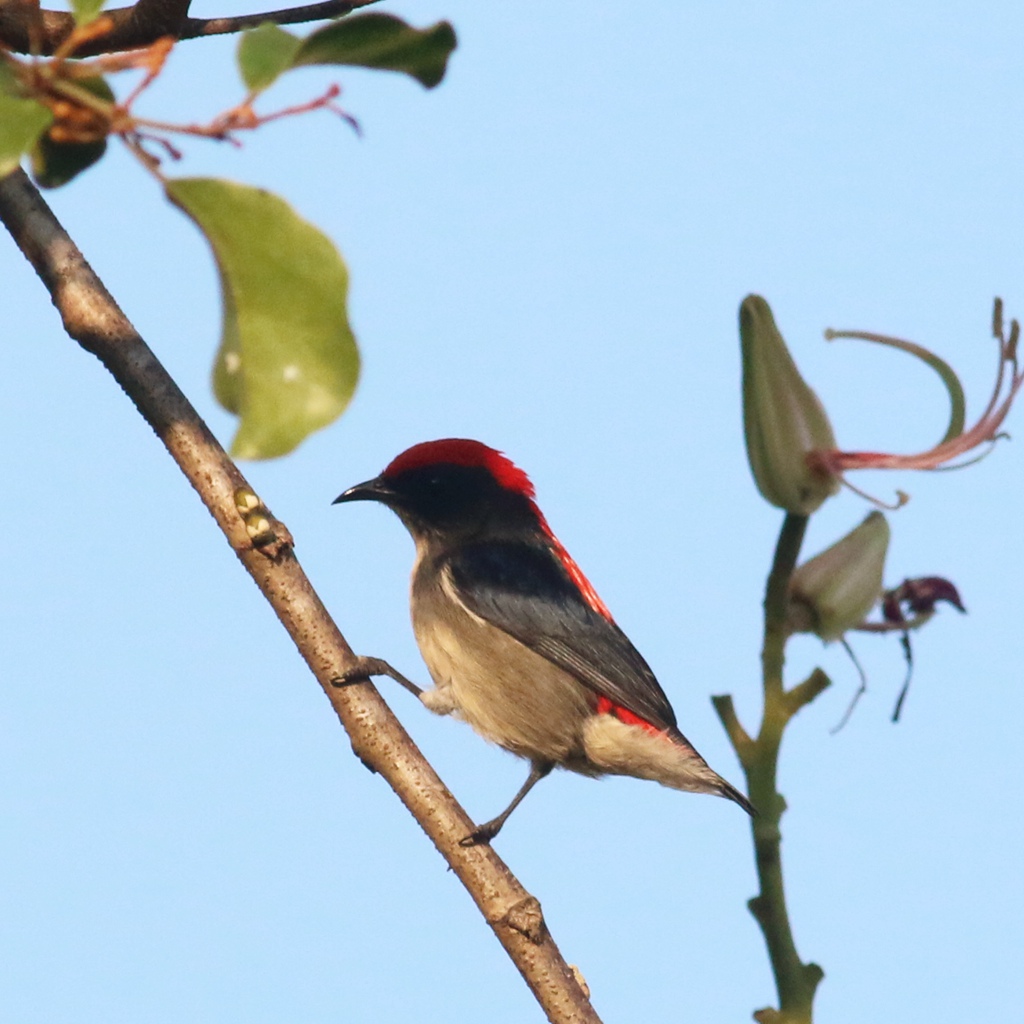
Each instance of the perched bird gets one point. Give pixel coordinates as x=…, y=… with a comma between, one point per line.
x=516, y=639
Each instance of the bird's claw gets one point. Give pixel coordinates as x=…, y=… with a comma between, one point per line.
x=362, y=669
x=480, y=836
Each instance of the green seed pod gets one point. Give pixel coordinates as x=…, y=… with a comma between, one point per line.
x=835, y=591
x=783, y=420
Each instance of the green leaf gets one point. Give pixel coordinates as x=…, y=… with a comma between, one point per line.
x=264, y=53
x=382, y=41
x=288, y=362
x=86, y=10
x=22, y=121
x=56, y=163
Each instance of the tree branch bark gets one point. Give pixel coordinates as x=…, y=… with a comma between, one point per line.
x=93, y=319
x=149, y=20
x=162, y=17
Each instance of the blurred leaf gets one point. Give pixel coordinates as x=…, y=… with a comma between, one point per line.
x=264, y=53
x=384, y=42
x=56, y=163
x=288, y=363
x=22, y=121
x=86, y=10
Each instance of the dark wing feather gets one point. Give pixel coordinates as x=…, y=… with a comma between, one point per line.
x=524, y=590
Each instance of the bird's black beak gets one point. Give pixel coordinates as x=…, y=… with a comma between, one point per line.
x=376, y=489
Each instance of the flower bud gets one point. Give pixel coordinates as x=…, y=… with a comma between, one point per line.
x=783, y=420
x=834, y=591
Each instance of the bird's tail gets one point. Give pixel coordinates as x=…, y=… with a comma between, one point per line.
x=621, y=748
x=730, y=792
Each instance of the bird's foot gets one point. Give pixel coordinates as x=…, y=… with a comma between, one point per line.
x=363, y=669
x=483, y=834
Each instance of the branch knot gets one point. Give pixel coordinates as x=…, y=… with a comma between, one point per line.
x=527, y=918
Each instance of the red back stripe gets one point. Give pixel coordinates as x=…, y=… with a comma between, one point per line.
x=605, y=706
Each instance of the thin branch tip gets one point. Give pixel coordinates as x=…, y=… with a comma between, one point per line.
x=738, y=736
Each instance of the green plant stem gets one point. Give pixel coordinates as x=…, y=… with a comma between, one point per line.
x=795, y=981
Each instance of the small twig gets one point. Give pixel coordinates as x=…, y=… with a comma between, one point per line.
x=803, y=693
x=738, y=736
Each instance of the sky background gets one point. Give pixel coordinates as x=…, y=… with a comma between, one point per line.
x=547, y=253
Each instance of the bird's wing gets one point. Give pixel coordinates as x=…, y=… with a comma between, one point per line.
x=526, y=591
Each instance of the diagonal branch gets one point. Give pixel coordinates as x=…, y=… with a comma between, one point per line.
x=94, y=320
x=149, y=20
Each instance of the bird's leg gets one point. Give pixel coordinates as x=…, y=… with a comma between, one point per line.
x=363, y=668
x=484, y=833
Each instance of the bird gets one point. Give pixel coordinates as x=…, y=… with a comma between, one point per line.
x=516, y=640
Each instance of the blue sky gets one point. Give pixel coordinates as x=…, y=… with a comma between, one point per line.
x=547, y=253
